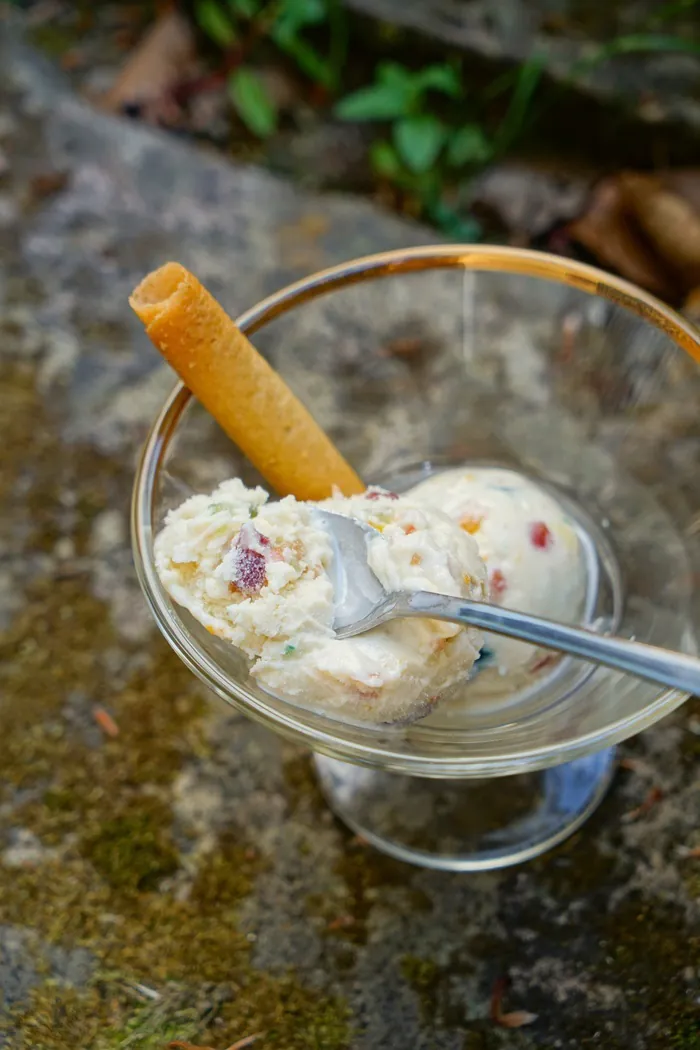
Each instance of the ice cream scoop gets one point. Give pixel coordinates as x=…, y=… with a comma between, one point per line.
x=258, y=574
x=532, y=551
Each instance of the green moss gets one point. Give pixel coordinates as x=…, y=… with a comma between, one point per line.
x=641, y=940
x=424, y=976
x=55, y=1018
x=685, y=1036
x=364, y=870
x=106, y=805
x=54, y=40
x=302, y=784
x=578, y=866
x=227, y=876
x=134, y=850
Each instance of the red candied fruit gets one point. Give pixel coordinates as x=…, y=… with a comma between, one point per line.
x=250, y=539
x=545, y=661
x=249, y=573
x=498, y=583
x=379, y=493
x=540, y=536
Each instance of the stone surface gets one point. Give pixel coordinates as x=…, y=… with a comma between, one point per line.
x=656, y=84
x=168, y=868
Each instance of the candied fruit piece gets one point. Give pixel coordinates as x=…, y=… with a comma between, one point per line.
x=375, y=493
x=249, y=574
x=545, y=661
x=250, y=539
x=540, y=536
x=416, y=559
x=471, y=524
x=497, y=583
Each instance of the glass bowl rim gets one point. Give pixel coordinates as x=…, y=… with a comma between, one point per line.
x=527, y=262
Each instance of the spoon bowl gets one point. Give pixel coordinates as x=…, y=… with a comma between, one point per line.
x=362, y=603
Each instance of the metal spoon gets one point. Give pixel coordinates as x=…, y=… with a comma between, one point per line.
x=362, y=603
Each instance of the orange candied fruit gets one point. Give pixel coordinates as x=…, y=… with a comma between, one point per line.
x=498, y=583
x=416, y=559
x=408, y=529
x=471, y=525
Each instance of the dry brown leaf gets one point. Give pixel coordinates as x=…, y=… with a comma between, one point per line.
x=671, y=224
x=609, y=232
x=165, y=56
x=685, y=182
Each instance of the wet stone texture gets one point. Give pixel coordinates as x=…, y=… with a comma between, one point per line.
x=168, y=869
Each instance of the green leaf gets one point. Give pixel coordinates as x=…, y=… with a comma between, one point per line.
x=419, y=140
x=307, y=12
x=295, y=14
x=309, y=60
x=385, y=160
x=626, y=45
x=393, y=74
x=515, y=120
x=461, y=227
x=376, y=102
x=252, y=102
x=214, y=21
x=670, y=11
x=469, y=145
x=245, y=8
x=442, y=78
x=339, y=39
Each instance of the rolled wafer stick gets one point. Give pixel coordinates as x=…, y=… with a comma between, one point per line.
x=244, y=394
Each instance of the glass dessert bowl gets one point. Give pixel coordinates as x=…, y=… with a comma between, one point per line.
x=426, y=359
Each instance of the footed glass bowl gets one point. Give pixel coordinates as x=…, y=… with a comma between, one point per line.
x=431, y=357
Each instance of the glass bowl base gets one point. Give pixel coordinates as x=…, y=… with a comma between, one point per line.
x=470, y=824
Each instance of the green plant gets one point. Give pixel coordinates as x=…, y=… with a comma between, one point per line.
x=418, y=136
x=634, y=44
x=427, y=150
x=237, y=26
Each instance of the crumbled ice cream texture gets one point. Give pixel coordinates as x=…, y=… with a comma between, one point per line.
x=256, y=573
x=532, y=553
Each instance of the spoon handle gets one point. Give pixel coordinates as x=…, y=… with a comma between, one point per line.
x=645, y=661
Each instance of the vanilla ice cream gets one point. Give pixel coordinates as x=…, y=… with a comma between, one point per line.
x=531, y=549
x=256, y=573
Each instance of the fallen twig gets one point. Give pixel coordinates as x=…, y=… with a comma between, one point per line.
x=654, y=796
x=105, y=722
x=512, y=1019
x=247, y=1040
